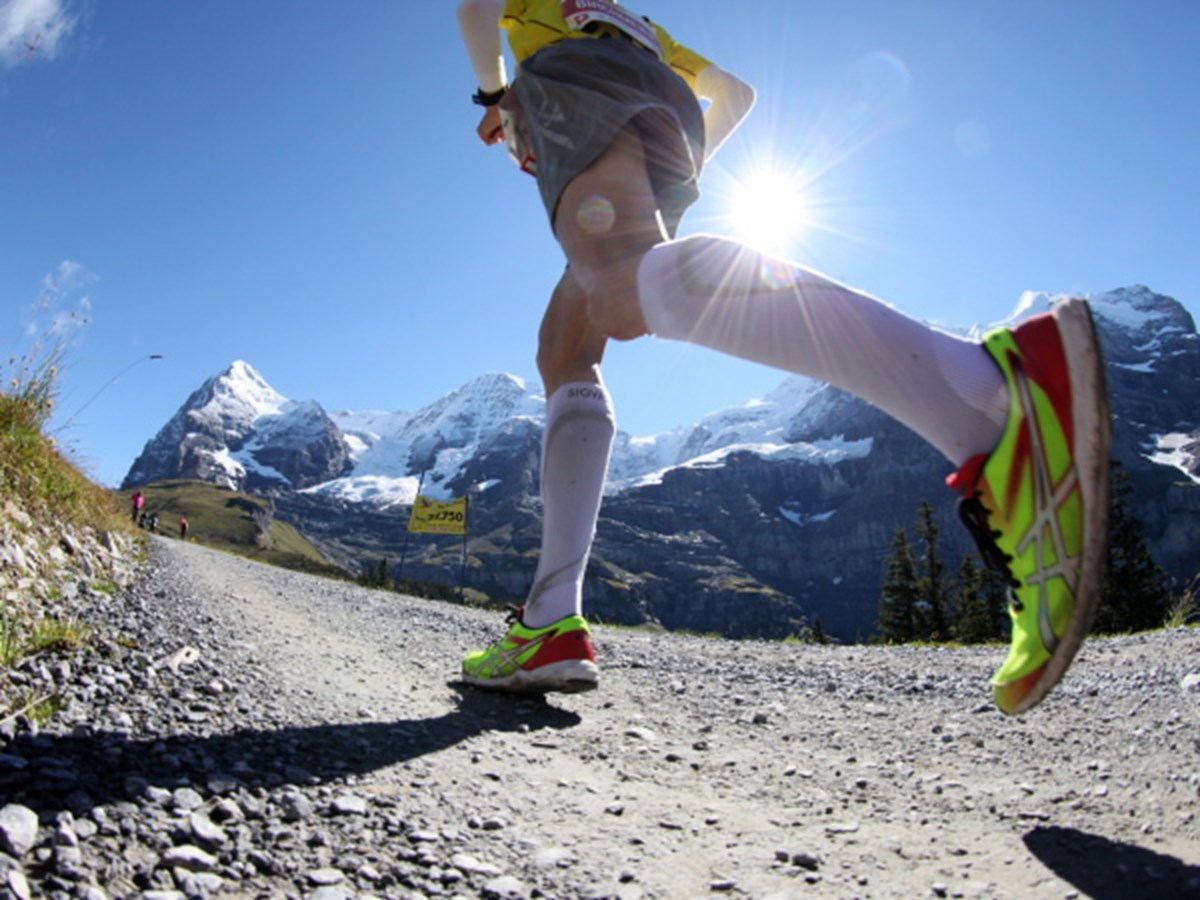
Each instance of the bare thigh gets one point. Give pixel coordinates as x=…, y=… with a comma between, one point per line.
x=607, y=219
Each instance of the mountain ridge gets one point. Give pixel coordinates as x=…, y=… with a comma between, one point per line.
x=753, y=520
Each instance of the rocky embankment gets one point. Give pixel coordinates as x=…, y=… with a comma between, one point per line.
x=48, y=566
x=237, y=730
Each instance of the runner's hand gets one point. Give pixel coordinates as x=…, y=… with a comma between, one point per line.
x=490, y=130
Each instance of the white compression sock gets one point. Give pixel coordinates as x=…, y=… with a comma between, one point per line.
x=720, y=294
x=575, y=448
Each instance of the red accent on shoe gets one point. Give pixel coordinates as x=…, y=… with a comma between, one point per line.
x=572, y=645
x=1045, y=358
x=965, y=479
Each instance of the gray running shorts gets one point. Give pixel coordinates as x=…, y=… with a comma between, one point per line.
x=571, y=98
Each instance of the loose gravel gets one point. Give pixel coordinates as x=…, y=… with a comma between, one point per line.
x=244, y=731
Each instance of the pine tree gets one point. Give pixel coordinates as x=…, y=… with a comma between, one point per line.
x=981, y=603
x=1134, y=592
x=970, y=625
x=931, y=583
x=376, y=576
x=898, y=606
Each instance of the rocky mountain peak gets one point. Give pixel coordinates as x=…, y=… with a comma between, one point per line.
x=237, y=430
x=232, y=401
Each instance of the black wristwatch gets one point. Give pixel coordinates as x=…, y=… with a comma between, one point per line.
x=482, y=98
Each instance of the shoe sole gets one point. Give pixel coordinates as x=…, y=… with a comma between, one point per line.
x=570, y=676
x=1091, y=423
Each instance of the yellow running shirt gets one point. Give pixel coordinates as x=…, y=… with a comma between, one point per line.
x=534, y=24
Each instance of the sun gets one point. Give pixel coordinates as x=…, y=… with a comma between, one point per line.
x=769, y=209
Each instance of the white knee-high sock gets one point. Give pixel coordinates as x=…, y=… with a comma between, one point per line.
x=720, y=294
x=575, y=448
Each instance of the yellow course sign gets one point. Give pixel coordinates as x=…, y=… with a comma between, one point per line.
x=435, y=517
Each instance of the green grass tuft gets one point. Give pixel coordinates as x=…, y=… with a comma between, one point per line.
x=58, y=635
x=31, y=467
x=1184, y=611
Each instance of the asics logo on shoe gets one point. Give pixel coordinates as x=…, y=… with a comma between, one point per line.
x=1048, y=500
x=504, y=657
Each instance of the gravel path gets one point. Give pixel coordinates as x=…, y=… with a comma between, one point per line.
x=253, y=732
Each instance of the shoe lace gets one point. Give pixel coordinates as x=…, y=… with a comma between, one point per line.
x=975, y=516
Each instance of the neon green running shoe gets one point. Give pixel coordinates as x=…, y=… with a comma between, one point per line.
x=559, y=657
x=1037, y=505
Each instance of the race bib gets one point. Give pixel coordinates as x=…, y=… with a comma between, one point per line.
x=580, y=13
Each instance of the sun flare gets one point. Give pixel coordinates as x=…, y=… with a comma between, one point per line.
x=769, y=210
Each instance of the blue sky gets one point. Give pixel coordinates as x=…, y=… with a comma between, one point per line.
x=298, y=184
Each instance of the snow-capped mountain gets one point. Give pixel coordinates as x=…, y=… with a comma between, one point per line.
x=238, y=431
x=391, y=451
x=747, y=522
x=236, y=424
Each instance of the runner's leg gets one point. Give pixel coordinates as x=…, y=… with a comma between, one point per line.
x=720, y=294
x=575, y=449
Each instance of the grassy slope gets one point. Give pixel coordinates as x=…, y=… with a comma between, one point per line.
x=41, y=495
x=35, y=476
x=230, y=521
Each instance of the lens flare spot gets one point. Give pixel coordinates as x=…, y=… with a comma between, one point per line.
x=884, y=82
x=596, y=214
x=777, y=274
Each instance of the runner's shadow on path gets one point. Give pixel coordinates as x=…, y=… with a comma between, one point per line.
x=77, y=772
x=1105, y=869
x=331, y=751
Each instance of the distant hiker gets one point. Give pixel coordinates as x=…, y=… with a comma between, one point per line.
x=139, y=500
x=605, y=111
x=183, y=527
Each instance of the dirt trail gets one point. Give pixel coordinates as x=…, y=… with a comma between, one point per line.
x=759, y=769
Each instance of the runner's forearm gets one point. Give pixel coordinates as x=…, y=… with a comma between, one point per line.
x=479, y=23
x=730, y=101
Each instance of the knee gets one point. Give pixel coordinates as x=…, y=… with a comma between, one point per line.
x=613, y=304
